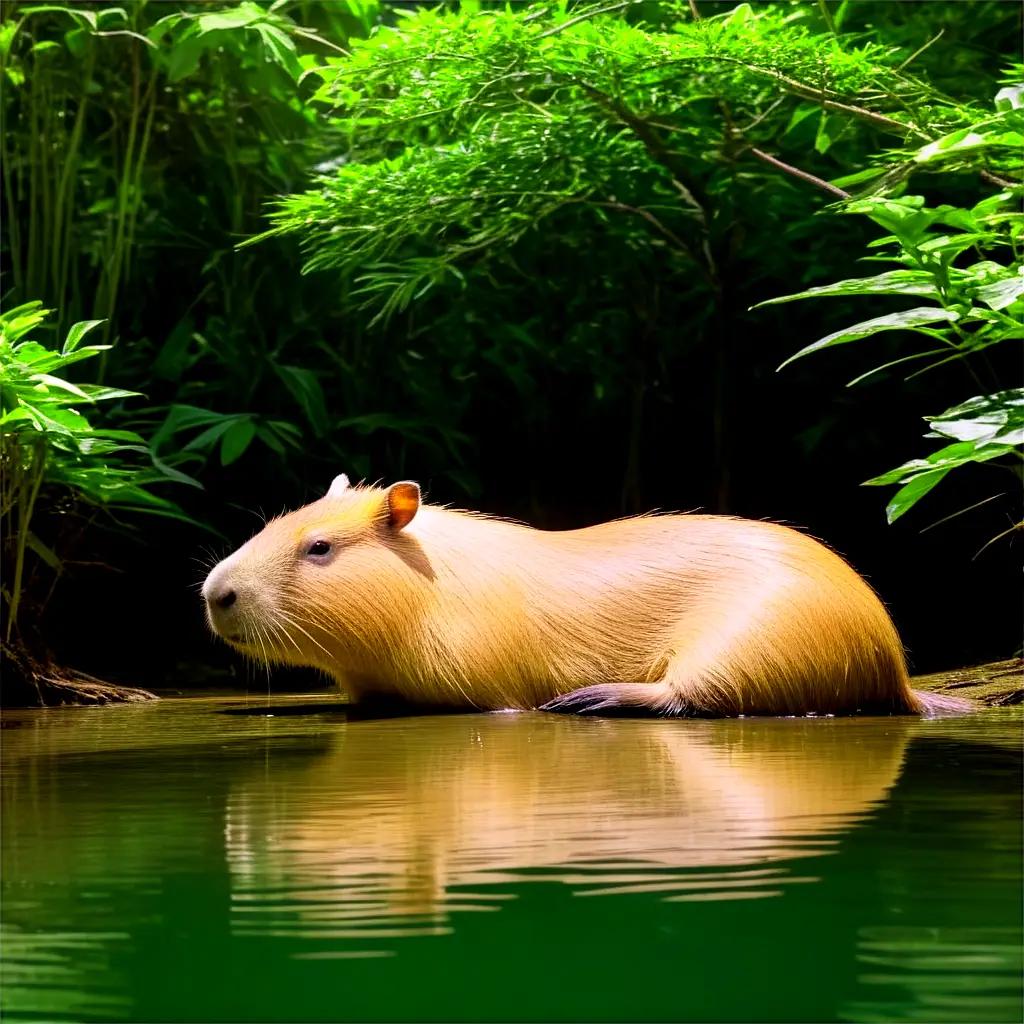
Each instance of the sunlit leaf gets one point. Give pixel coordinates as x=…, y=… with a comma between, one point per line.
x=908, y=319
x=1001, y=294
x=892, y=282
x=76, y=333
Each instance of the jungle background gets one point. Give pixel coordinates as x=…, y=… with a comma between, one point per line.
x=511, y=251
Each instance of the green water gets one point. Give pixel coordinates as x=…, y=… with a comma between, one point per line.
x=213, y=859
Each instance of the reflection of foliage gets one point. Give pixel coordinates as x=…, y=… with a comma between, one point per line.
x=46, y=441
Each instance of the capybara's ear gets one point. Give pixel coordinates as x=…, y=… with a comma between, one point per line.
x=338, y=486
x=403, y=501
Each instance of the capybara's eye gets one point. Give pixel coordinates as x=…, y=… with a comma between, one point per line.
x=319, y=547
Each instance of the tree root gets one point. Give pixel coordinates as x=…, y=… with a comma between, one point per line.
x=33, y=682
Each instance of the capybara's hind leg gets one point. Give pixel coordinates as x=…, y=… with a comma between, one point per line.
x=616, y=699
x=681, y=692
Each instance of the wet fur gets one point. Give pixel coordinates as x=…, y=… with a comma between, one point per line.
x=669, y=614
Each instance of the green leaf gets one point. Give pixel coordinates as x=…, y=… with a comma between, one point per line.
x=908, y=495
x=996, y=418
x=185, y=417
x=173, y=474
x=185, y=54
x=1010, y=98
x=908, y=319
x=76, y=333
x=953, y=455
x=801, y=114
x=893, y=282
x=56, y=382
x=281, y=49
x=1001, y=294
x=99, y=393
x=241, y=16
x=236, y=440
x=209, y=437
x=965, y=140
x=19, y=321
x=86, y=16
x=305, y=389
x=859, y=177
x=47, y=554
x=828, y=131
x=174, y=357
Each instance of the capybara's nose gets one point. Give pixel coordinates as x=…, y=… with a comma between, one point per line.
x=225, y=599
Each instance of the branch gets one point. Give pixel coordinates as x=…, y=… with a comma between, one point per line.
x=586, y=16
x=994, y=179
x=668, y=233
x=795, y=172
x=808, y=92
x=687, y=187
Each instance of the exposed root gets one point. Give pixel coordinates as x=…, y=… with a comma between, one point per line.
x=32, y=682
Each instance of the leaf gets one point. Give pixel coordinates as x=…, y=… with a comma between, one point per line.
x=76, y=333
x=173, y=358
x=57, y=382
x=184, y=417
x=47, y=554
x=32, y=355
x=996, y=418
x=99, y=393
x=869, y=174
x=908, y=496
x=953, y=455
x=209, y=437
x=236, y=440
x=826, y=133
x=173, y=474
x=86, y=16
x=305, y=389
x=243, y=15
x=893, y=282
x=281, y=48
x=1010, y=98
x=801, y=114
x=1001, y=294
x=965, y=140
x=185, y=54
x=63, y=422
x=908, y=319
x=19, y=321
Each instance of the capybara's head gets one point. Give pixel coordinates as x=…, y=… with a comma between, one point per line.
x=324, y=584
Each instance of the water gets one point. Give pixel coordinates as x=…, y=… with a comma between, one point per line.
x=218, y=859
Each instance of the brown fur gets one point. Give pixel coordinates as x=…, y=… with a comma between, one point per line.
x=672, y=614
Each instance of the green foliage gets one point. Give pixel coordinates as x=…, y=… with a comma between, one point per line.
x=469, y=131
x=970, y=264
x=985, y=427
x=477, y=136
x=89, y=192
x=531, y=236
x=47, y=441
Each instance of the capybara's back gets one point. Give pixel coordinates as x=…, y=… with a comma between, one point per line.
x=668, y=614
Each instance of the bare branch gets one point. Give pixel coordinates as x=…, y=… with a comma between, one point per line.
x=795, y=172
x=586, y=16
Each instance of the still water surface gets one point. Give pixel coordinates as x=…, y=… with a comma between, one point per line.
x=232, y=859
